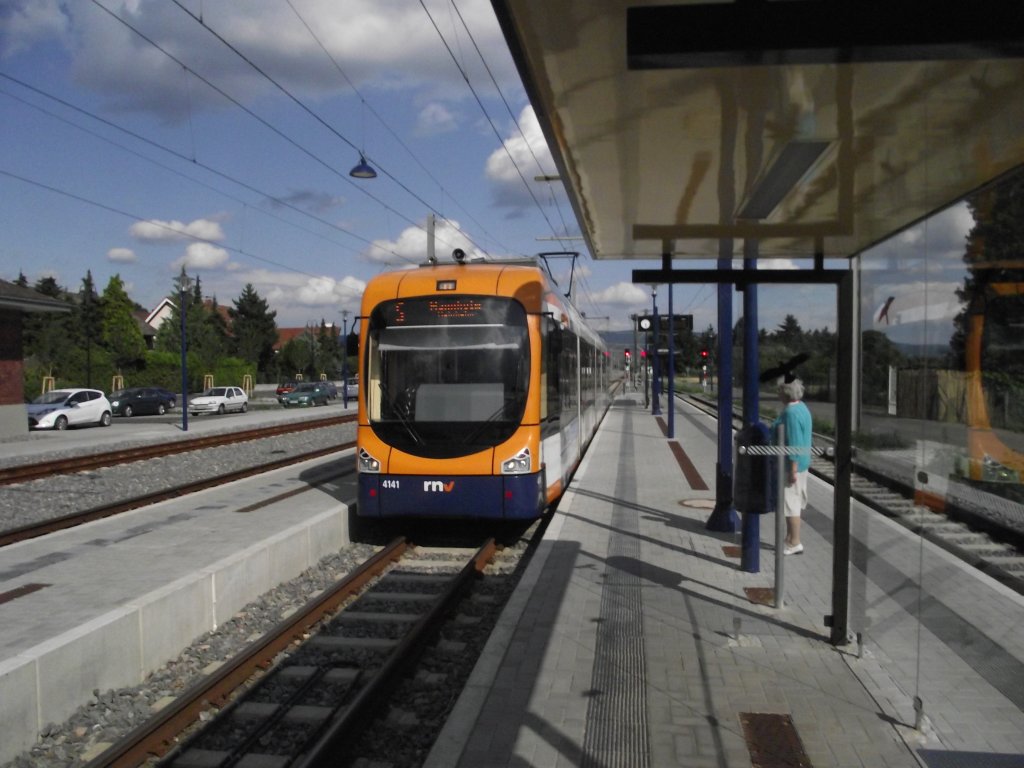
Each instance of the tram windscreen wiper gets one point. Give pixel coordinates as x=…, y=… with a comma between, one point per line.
x=484, y=424
x=396, y=411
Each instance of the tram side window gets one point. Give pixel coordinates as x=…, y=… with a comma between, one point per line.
x=567, y=374
x=586, y=373
x=552, y=351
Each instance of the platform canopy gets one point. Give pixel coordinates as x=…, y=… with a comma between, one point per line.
x=814, y=127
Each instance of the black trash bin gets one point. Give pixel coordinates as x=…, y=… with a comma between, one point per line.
x=752, y=484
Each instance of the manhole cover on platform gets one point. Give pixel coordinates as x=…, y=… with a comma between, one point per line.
x=773, y=741
x=760, y=595
x=698, y=503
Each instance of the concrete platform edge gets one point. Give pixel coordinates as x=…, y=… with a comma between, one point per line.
x=52, y=680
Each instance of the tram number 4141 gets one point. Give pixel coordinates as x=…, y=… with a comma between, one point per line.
x=392, y=484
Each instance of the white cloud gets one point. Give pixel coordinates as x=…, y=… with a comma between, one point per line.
x=121, y=255
x=435, y=118
x=776, y=264
x=156, y=231
x=411, y=245
x=22, y=24
x=200, y=256
x=298, y=299
x=387, y=44
x=623, y=294
x=523, y=156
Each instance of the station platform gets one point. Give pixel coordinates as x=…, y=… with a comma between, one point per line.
x=636, y=640
x=101, y=605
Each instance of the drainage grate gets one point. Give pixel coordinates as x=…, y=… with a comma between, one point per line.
x=773, y=741
x=941, y=758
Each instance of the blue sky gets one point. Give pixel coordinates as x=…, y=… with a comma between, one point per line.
x=137, y=141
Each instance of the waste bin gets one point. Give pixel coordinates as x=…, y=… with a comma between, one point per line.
x=752, y=484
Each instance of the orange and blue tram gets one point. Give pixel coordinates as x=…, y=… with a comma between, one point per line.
x=480, y=388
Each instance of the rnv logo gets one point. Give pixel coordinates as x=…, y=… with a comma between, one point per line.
x=436, y=486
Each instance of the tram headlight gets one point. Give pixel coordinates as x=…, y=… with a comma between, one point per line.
x=367, y=463
x=520, y=464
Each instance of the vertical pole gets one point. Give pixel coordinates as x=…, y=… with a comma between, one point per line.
x=724, y=517
x=671, y=363
x=182, y=287
x=780, y=518
x=750, y=551
x=646, y=360
x=634, y=359
x=656, y=373
x=841, y=490
x=344, y=358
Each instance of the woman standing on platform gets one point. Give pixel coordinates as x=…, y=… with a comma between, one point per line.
x=796, y=419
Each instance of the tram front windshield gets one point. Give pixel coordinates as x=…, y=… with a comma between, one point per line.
x=447, y=376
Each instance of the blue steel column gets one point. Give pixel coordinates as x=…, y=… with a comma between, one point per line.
x=724, y=518
x=750, y=547
x=655, y=385
x=671, y=366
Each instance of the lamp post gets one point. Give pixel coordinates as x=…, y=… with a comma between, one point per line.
x=344, y=358
x=184, y=286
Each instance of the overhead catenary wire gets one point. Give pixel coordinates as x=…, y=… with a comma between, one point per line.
x=305, y=108
x=490, y=121
x=139, y=218
x=186, y=158
x=390, y=130
x=511, y=114
x=257, y=117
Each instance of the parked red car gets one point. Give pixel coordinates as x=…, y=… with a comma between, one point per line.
x=284, y=388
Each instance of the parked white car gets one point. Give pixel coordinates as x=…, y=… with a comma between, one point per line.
x=219, y=400
x=63, y=408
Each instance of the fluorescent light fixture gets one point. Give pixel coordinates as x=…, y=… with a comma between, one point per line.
x=789, y=167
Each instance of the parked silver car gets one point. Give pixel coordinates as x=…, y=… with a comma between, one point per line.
x=219, y=400
x=63, y=408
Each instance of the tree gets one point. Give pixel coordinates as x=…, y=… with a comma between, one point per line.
x=254, y=330
x=120, y=333
x=89, y=326
x=328, y=354
x=211, y=337
x=296, y=356
x=789, y=332
x=49, y=338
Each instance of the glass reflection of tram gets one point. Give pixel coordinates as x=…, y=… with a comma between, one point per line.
x=994, y=364
x=481, y=388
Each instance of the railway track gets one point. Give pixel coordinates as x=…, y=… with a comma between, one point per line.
x=318, y=679
x=970, y=534
x=27, y=472
x=41, y=528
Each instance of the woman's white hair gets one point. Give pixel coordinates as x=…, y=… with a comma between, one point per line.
x=793, y=390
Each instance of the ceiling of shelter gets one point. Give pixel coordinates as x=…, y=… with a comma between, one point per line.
x=696, y=128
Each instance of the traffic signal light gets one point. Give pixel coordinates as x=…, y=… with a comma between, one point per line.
x=703, y=355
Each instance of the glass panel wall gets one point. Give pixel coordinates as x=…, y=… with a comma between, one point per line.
x=937, y=574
